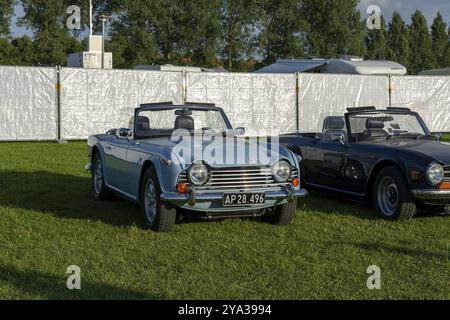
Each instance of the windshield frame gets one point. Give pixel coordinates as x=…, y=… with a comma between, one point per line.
x=388, y=111
x=156, y=108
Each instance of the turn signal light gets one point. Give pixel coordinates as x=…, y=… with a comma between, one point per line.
x=296, y=182
x=182, y=187
x=444, y=186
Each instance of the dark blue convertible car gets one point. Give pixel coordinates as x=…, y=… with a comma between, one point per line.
x=188, y=160
x=387, y=157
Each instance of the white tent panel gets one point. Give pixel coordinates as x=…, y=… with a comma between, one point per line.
x=28, y=109
x=94, y=101
x=322, y=95
x=429, y=96
x=262, y=103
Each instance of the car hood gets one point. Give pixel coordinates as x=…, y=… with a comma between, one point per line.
x=439, y=151
x=246, y=152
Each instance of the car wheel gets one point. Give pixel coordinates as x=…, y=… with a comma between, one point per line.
x=159, y=216
x=392, y=197
x=283, y=215
x=101, y=191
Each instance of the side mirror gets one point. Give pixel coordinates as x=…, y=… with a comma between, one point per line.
x=438, y=136
x=342, y=141
x=125, y=133
x=239, y=131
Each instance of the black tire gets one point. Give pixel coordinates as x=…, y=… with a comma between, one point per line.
x=397, y=203
x=283, y=215
x=101, y=191
x=164, y=217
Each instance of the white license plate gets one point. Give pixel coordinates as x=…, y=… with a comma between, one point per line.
x=243, y=199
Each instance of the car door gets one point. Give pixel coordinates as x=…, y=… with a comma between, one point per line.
x=325, y=161
x=116, y=161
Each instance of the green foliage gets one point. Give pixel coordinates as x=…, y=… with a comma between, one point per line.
x=237, y=20
x=398, y=41
x=24, y=51
x=440, y=41
x=282, y=30
x=6, y=11
x=421, y=57
x=6, y=52
x=377, y=43
x=49, y=220
x=222, y=32
x=334, y=28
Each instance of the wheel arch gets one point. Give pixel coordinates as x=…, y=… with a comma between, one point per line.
x=377, y=169
x=145, y=166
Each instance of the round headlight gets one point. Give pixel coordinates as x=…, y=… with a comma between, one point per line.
x=282, y=171
x=198, y=174
x=435, y=174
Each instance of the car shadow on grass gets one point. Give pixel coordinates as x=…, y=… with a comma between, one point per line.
x=327, y=204
x=37, y=285
x=65, y=196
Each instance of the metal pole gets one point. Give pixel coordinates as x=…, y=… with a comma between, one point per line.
x=103, y=43
x=90, y=18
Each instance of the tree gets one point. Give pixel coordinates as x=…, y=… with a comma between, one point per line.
x=6, y=52
x=446, y=58
x=238, y=23
x=334, y=27
x=377, y=42
x=282, y=30
x=440, y=40
x=6, y=11
x=398, y=41
x=24, y=52
x=132, y=41
x=52, y=40
x=421, y=57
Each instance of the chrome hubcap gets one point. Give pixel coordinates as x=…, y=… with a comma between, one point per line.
x=98, y=177
x=388, y=196
x=150, y=200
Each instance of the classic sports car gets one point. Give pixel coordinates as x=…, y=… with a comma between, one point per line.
x=388, y=157
x=188, y=160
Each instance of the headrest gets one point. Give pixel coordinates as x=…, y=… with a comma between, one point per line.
x=142, y=123
x=334, y=123
x=184, y=122
x=374, y=124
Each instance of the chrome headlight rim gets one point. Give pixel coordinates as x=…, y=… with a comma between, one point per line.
x=435, y=174
x=276, y=174
x=202, y=170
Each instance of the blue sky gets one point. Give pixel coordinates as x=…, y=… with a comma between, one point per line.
x=405, y=7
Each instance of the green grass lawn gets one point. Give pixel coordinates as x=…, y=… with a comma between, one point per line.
x=446, y=137
x=49, y=221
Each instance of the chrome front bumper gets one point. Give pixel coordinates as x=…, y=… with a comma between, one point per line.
x=193, y=198
x=430, y=195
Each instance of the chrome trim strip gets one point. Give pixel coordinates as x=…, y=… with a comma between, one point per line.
x=431, y=194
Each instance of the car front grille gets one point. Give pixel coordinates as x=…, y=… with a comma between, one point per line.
x=241, y=179
x=447, y=173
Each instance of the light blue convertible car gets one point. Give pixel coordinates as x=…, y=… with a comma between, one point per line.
x=188, y=160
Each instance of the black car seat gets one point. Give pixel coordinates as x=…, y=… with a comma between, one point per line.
x=184, y=123
x=142, y=124
x=334, y=128
x=375, y=128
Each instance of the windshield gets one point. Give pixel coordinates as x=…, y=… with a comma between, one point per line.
x=162, y=122
x=385, y=125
